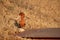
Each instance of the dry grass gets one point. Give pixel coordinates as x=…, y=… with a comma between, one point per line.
x=38, y=14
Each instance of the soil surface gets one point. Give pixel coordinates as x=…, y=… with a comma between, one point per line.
x=38, y=14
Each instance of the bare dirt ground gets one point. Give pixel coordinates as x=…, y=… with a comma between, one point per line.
x=38, y=14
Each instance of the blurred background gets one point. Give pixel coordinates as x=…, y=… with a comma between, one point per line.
x=38, y=14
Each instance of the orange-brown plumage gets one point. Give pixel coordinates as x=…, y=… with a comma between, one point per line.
x=22, y=21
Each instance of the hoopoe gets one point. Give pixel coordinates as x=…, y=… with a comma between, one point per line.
x=22, y=21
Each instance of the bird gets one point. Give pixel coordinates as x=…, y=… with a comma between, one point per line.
x=21, y=19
